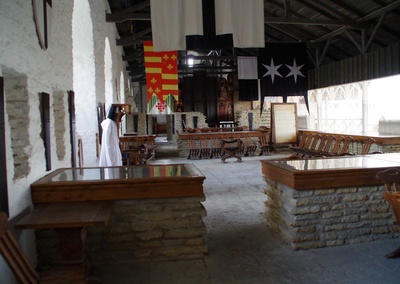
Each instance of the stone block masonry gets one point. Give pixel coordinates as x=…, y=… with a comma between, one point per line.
x=328, y=217
x=144, y=230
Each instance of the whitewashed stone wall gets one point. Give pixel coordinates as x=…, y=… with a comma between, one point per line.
x=263, y=119
x=29, y=70
x=201, y=120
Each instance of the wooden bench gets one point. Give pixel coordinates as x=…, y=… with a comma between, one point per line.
x=391, y=180
x=69, y=220
x=315, y=145
x=23, y=270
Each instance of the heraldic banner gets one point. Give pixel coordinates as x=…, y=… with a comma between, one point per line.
x=282, y=69
x=161, y=79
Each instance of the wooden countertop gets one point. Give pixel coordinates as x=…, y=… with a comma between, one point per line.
x=67, y=215
x=320, y=173
x=118, y=183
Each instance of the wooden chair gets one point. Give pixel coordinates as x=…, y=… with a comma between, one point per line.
x=264, y=142
x=309, y=152
x=323, y=139
x=132, y=157
x=336, y=146
x=334, y=150
x=205, y=148
x=23, y=270
x=231, y=149
x=215, y=129
x=307, y=141
x=366, y=146
x=391, y=180
x=141, y=155
x=328, y=144
x=345, y=146
x=215, y=147
x=250, y=146
x=194, y=151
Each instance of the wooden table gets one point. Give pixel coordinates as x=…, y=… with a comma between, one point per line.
x=219, y=135
x=70, y=221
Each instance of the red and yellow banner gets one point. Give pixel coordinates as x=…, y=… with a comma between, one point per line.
x=161, y=78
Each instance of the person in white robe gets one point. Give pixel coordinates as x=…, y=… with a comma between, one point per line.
x=110, y=153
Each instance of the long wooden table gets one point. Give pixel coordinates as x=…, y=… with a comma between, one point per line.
x=219, y=135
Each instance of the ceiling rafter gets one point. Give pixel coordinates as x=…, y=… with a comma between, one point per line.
x=318, y=57
x=332, y=29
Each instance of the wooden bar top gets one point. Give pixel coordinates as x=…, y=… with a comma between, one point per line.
x=220, y=135
x=118, y=183
x=329, y=172
x=67, y=215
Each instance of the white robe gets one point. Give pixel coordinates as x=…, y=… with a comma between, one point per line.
x=110, y=153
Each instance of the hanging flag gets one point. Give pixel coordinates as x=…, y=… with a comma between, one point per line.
x=282, y=69
x=172, y=20
x=207, y=24
x=161, y=79
x=248, y=78
x=243, y=19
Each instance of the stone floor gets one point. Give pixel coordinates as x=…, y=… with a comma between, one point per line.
x=243, y=250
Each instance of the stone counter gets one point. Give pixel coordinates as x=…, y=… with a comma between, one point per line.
x=321, y=203
x=157, y=213
x=145, y=230
x=328, y=216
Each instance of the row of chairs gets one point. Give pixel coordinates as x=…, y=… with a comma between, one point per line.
x=138, y=155
x=317, y=145
x=213, y=147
